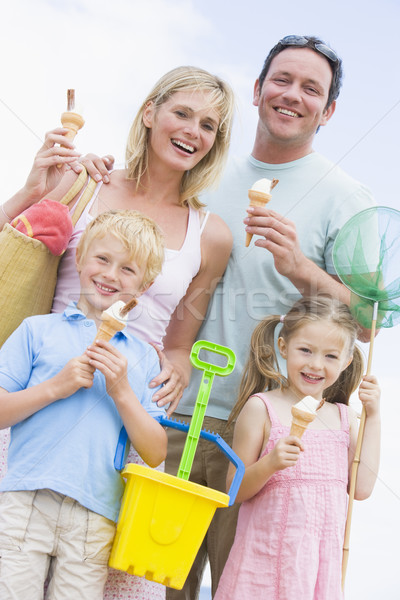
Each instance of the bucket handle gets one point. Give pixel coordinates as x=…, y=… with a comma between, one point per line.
x=119, y=459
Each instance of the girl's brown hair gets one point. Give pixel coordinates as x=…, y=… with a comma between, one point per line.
x=262, y=371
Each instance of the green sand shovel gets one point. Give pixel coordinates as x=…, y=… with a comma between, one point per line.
x=209, y=372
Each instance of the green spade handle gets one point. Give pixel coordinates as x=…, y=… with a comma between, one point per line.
x=209, y=371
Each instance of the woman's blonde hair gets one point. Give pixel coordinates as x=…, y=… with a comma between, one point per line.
x=262, y=372
x=206, y=173
x=139, y=234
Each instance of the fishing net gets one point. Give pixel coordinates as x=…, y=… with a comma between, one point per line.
x=366, y=256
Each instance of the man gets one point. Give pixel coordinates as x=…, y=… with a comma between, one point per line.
x=295, y=94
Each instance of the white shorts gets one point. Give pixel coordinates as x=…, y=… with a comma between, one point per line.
x=43, y=533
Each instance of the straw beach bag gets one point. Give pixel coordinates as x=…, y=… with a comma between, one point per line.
x=28, y=270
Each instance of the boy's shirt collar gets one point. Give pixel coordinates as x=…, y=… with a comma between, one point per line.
x=73, y=313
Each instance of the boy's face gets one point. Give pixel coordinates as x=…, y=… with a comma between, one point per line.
x=107, y=273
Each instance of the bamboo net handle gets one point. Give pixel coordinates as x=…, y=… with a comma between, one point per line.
x=356, y=461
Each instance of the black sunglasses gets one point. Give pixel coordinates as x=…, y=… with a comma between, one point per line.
x=300, y=40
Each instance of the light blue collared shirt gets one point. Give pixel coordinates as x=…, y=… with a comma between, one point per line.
x=69, y=446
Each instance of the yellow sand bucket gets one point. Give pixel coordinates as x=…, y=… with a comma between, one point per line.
x=163, y=518
x=162, y=523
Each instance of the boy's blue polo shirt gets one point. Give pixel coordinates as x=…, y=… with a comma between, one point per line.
x=69, y=446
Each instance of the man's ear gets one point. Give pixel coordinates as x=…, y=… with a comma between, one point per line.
x=256, y=93
x=282, y=347
x=328, y=112
x=148, y=114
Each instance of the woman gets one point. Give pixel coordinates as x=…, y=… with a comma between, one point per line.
x=176, y=148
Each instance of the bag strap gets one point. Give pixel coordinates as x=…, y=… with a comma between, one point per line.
x=84, y=199
x=76, y=187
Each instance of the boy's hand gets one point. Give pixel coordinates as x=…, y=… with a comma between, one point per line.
x=286, y=452
x=112, y=364
x=369, y=393
x=76, y=374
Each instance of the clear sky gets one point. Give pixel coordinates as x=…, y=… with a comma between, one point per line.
x=112, y=53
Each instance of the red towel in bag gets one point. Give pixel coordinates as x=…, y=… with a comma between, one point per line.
x=48, y=221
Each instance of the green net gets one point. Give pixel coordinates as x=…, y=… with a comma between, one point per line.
x=366, y=256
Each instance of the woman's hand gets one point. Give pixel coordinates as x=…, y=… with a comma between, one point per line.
x=98, y=167
x=172, y=382
x=55, y=157
x=45, y=174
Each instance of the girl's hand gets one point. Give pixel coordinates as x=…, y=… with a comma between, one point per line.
x=286, y=453
x=98, y=168
x=76, y=374
x=45, y=174
x=172, y=383
x=369, y=393
x=113, y=365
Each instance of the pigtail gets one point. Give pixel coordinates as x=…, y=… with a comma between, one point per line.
x=348, y=380
x=261, y=371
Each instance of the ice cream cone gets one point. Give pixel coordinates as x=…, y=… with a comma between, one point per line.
x=256, y=199
x=300, y=421
x=109, y=326
x=73, y=122
x=114, y=319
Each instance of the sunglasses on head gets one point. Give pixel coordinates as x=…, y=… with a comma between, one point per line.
x=300, y=40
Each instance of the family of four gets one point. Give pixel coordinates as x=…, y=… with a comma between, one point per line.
x=147, y=232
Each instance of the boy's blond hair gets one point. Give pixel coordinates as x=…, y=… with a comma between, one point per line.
x=140, y=235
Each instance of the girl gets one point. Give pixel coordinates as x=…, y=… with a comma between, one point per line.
x=176, y=148
x=291, y=524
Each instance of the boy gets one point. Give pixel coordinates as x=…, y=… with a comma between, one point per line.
x=66, y=397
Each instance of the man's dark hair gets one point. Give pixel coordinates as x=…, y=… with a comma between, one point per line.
x=312, y=43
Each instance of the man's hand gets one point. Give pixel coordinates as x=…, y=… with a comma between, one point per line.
x=279, y=236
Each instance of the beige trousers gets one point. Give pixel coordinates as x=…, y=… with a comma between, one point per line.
x=43, y=533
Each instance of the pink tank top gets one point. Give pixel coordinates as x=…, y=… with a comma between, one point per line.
x=149, y=319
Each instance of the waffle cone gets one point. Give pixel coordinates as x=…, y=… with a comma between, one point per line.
x=73, y=122
x=109, y=326
x=256, y=199
x=300, y=421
